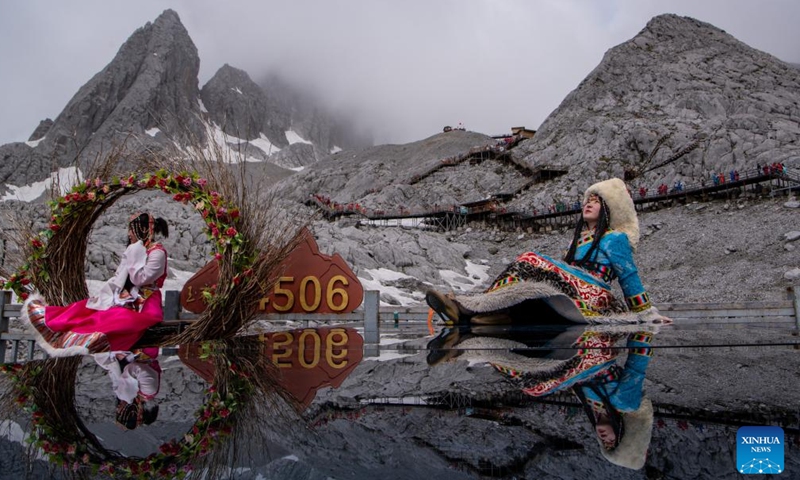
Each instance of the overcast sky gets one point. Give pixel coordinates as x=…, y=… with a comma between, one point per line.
x=407, y=67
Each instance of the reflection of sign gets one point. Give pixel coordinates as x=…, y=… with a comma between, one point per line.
x=313, y=358
x=312, y=282
x=307, y=359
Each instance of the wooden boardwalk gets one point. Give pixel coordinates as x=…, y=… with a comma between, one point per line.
x=492, y=210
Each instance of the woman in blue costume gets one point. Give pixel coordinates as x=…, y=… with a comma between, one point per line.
x=601, y=251
x=575, y=296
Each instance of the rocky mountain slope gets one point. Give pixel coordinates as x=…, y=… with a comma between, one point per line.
x=150, y=84
x=679, y=101
x=382, y=176
x=148, y=97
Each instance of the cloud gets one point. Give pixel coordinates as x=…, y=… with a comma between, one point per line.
x=405, y=68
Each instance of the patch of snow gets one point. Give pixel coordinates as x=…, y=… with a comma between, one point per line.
x=297, y=169
x=264, y=144
x=465, y=283
x=382, y=275
x=292, y=458
x=237, y=90
x=64, y=177
x=293, y=137
x=335, y=149
x=228, y=144
x=473, y=362
x=152, y=132
x=202, y=105
x=33, y=143
x=12, y=431
x=481, y=271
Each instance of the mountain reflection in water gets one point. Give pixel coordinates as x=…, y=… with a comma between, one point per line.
x=395, y=417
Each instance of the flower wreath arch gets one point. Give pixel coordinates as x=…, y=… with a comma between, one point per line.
x=52, y=254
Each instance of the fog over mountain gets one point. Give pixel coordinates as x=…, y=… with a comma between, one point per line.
x=402, y=69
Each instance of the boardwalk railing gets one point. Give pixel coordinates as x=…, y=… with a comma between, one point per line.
x=413, y=320
x=780, y=180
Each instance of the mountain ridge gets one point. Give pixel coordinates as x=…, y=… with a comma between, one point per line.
x=147, y=98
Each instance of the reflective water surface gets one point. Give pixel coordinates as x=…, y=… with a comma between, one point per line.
x=466, y=402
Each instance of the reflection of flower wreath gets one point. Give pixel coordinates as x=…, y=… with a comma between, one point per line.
x=71, y=446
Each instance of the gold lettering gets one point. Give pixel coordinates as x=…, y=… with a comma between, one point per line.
x=285, y=292
x=285, y=346
x=303, y=348
x=317, y=294
x=331, y=291
x=332, y=357
x=262, y=304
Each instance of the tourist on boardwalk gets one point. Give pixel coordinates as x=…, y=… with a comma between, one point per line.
x=128, y=304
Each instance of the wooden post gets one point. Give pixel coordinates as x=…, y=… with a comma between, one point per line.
x=372, y=334
x=5, y=299
x=172, y=305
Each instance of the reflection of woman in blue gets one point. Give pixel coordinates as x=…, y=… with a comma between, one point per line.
x=611, y=393
x=614, y=402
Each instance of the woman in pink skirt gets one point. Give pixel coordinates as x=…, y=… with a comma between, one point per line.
x=127, y=305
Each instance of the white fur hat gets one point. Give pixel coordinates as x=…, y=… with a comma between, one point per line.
x=632, y=449
x=620, y=207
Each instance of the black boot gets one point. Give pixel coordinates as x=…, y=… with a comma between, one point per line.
x=445, y=306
